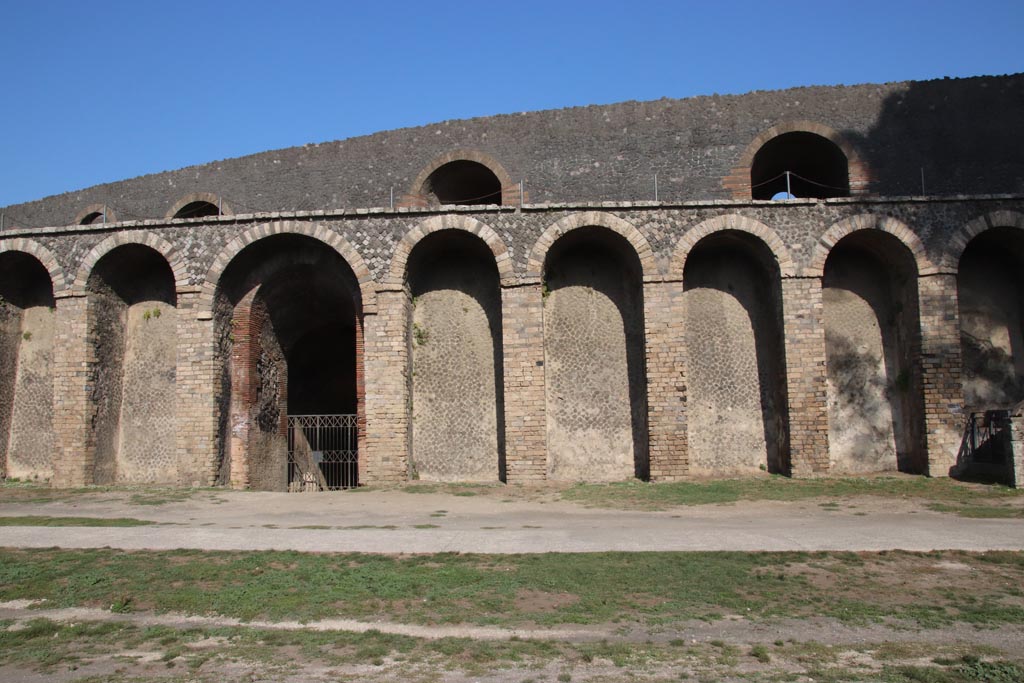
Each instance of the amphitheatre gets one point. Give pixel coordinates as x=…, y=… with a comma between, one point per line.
x=597, y=293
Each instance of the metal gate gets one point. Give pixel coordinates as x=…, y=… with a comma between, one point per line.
x=322, y=452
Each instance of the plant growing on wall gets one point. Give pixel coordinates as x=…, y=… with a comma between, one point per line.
x=419, y=334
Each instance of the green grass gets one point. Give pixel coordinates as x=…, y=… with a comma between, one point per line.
x=979, y=511
x=523, y=590
x=662, y=495
x=42, y=520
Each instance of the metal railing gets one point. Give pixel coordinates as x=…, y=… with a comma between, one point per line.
x=322, y=452
x=986, y=439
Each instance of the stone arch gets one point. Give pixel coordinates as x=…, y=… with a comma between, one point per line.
x=739, y=223
x=625, y=229
x=594, y=340
x=416, y=196
x=898, y=229
x=93, y=209
x=872, y=327
x=995, y=219
x=45, y=257
x=143, y=237
x=208, y=197
x=400, y=259
x=451, y=286
x=738, y=180
x=367, y=289
x=732, y=268
x=989, y=253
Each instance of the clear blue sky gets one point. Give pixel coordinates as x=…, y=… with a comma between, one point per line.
x=97, y=91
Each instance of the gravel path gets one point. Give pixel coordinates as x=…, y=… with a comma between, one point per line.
x=400, y=522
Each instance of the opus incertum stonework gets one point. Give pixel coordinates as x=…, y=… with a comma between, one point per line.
x=814, y=281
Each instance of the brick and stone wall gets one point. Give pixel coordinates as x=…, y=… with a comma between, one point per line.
x=674, y=351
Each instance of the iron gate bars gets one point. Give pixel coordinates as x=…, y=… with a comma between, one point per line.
x=322, y=452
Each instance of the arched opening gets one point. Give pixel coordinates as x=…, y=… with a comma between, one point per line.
x=990, y=287
x=26, y=367
x=94, y=218
x=458, y=431
x=288, y=317
x=198, y=209
x=133, y=337
x=876, y=414
x=736, y=400
x=462, y=182
x=799, y=164
x=594, y=358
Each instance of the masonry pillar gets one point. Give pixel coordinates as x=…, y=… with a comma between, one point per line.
x=196, y=389
x=386, y=367
x=72, y=379
x=806, y=387
x=941, y=365
x=523, y=353
x=664, y=317
x=1016, y=455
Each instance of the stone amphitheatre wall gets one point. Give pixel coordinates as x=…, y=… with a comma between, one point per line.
x=724, y=304
x=565, y=334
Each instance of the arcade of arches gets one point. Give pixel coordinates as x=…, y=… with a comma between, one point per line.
x=457, y=369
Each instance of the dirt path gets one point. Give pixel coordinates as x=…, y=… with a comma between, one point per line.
x=734, y=630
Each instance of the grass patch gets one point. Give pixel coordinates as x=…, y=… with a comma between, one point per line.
x=662, y=495
x=42, y=520
x=161, y=496
x=980, y=511
x=525, y=590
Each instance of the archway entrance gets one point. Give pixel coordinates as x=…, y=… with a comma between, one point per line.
x=26, y=367
x=595, y=378
x=736, y=404
x=133, y=328
x=876, y=417
x=289, y=315
x=991, y=294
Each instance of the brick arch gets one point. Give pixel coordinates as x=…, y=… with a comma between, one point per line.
x=738, y=223
x=43, y=255
x=415, y=196
x=535, y=264
x=367, y=289
x=995, y=219
x=396, y=273
x=898, y=229
x=216, y=200
x=96, y=208
x=143, y=237
x=738, y=180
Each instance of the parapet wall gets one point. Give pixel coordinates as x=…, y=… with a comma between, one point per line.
x=943, y=137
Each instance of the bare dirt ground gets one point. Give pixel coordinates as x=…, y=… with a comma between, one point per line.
x=494, y=520
x=500, y=520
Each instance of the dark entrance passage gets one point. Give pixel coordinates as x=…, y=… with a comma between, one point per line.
x=294, y=403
